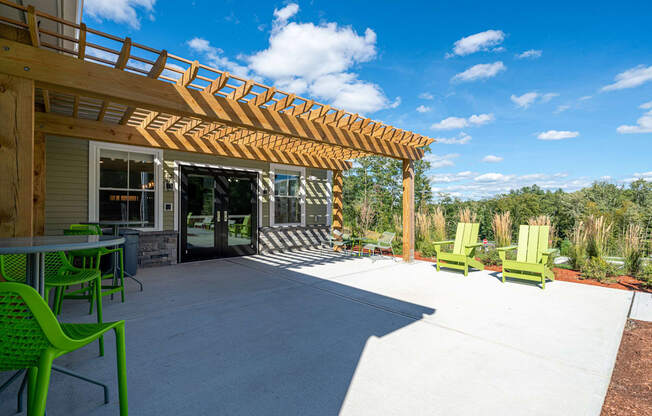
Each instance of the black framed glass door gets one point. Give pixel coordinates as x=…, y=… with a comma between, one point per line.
x=219, y=213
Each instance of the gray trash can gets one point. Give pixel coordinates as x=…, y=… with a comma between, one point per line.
x=130, y=249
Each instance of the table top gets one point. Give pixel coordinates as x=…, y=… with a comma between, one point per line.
x=44, y=244
x=115, y=222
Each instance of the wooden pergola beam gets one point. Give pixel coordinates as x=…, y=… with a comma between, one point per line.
x=57, y=71
x=50, y=123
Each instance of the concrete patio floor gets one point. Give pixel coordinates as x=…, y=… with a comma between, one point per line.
x=309, y=333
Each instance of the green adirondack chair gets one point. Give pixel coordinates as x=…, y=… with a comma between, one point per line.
x=464, y=247
x=531, y=256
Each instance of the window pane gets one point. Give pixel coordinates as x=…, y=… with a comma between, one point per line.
x=293, y=185
x=113, y=169
x=287, y=210
x=141, y=207
x=141, y=171
x=280, y=184
x=113, y=205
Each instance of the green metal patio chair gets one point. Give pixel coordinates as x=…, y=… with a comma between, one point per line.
x=31, y=338
x=463, y=255
x=384, y=243
x=92, y=257
x=337, y=239
x=531, y=256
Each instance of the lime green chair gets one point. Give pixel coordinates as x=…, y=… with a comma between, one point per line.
x=31, y=338
x=463, y=255
x=531, y=256
x=91, y=258
x=59, y=274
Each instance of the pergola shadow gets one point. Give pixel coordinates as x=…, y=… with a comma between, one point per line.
x=236, y=336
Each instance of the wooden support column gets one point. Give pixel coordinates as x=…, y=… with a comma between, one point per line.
x=408, y=210
x=39, y=183
x=16, y=156
x=338, y=207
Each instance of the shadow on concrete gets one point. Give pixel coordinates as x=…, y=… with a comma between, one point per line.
x=246, y=336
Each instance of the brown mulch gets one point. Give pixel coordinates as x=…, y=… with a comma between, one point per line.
x=630, y=391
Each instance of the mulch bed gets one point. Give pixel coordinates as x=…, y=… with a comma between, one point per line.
x=630, y=391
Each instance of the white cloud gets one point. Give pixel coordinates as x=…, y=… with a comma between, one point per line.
x=633, y=77
x=562, y=108
x=492, y=159
x=282, y=15
x=426, y=96
x=480, y=71
x=461, y=138
x=557, y=135
x=549, y=96
x=450, y=177
x=119, y=11
x=643, y=124
x=493, y=177
x=530, y=54
x=482, y=41
x=440, y=161
x=305, y=58
x=646, y=106
x=423, y=109
x=586, y=97
x=524, y=100
x=452, y=123
x=214, y=57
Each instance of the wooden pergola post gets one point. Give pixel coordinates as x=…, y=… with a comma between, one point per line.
x=16, y=156
x=408, y=210
x=39, y=183
x=338, y=206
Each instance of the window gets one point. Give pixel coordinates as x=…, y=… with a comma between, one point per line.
x=287, y=206
x=126, y=185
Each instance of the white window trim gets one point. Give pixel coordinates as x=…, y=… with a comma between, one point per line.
x=177, y=186
x=302, y=194
x=329, y=198
x=94, y=178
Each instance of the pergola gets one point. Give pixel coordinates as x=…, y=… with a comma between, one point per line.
x=62, y=78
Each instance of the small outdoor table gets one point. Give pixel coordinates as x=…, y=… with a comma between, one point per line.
x=115, y=226
x=35, y=249
x=360, y=242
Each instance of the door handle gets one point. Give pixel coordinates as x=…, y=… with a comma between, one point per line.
x=226, y=216
x=217, y=213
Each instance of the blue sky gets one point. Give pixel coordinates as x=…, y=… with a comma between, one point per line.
x=556, y=93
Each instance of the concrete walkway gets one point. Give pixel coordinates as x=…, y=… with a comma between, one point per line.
x=320, y=334
x=642, y=307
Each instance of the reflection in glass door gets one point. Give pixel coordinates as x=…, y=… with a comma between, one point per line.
x=218, y=215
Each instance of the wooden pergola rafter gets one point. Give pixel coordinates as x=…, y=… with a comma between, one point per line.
x=104, y=87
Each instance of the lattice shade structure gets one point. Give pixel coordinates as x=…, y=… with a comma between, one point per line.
x=93, y=85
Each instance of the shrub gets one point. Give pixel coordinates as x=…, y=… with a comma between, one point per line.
x=467, y=216
x=427, y=249
x=645, y=275
x=439, y=222
x=566, y=247
x=597, y=268
x=489, y=258
x=632, y=248
x=597, y=233
x=502, y=227
x=577, y=252
x=423, y=223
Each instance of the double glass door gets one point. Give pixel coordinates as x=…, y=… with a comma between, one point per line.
x=219, y=213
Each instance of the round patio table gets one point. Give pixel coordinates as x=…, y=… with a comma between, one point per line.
x=36, y=247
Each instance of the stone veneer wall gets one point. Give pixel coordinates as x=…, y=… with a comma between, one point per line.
x=275, y=239
x=157, y=248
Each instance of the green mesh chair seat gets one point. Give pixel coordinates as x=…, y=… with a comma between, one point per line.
x=13, y=267
x=532, y=254
x=31, y=338
x=463, y=255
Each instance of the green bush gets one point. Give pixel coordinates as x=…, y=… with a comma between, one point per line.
x=599, y=269
x=489, y=258
x=577, y=256
x=645, y=275
x=566, y=247
x=427, y=249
